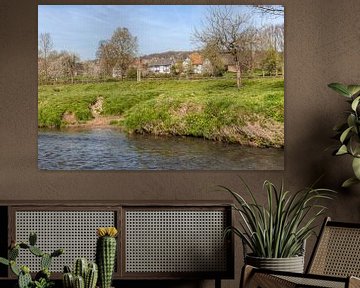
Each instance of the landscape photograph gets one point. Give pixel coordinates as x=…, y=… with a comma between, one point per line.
x=161, y=87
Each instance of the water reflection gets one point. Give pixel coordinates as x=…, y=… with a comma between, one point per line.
x=110, y=149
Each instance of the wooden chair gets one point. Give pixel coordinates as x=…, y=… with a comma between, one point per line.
x=335, y=262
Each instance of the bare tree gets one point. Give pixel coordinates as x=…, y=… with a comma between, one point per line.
x=91, y=69
x=231, y=33
x=62, y=66
x=69, y=61
x=107, y=59
x=275, y=10
x=45, y=48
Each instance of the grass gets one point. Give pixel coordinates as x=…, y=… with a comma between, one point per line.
x=214, y=108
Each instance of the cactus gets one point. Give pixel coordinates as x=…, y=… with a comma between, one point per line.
x=105, y=254
x=87, y=272
x=57, y=252
x=68, y=280
x=36, y=251
x=24, y=278
x=45, y=261
x=43, y=274
x=24, y=246
x=79, y=282
x=14, y=268
x=80, y=268
x=13, y=253
x=67, y=269
x=91, y=276
x=32, y=239
x=4, y=261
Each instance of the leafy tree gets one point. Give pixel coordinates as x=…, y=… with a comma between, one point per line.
x=270, y=62
x=132, y=73
x=213, y=54
x=118, y=52
x=272, y=42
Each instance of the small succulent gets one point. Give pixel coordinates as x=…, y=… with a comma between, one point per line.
x=43, y=283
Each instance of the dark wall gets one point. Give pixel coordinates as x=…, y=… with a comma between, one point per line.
x=322, y=46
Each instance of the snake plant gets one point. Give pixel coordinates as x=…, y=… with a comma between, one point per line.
x=279, y=228
x=349, y=132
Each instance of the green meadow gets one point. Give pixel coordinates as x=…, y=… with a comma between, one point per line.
x=209, y=108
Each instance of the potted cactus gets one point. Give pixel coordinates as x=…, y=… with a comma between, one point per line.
x=42, y=278
x=106, y=254
x=84, y=275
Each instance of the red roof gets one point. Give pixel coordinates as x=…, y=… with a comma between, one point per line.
x=196, y=59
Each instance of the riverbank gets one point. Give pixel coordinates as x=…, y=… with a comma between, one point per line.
x=210, y=109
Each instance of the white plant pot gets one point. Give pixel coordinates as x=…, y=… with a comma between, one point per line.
x=291, y=264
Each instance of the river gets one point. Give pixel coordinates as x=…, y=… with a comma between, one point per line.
x=110, y=149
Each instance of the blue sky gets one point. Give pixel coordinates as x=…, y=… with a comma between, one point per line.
x=159, y=28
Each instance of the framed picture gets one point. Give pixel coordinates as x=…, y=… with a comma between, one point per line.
x=160, y=87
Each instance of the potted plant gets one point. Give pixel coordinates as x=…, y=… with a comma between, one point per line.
x=42, y=278
x=349, y=132
x=276, y=233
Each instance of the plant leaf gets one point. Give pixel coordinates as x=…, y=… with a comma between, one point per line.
x=353, y=89
x=345, y=134
x=4, y=261
x=340, y=88
x=351, y=120
x=349, y=182
x=355, y=103
x=356, y=167
x=342, y=150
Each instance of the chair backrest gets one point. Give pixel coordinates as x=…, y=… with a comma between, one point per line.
x=337, y=251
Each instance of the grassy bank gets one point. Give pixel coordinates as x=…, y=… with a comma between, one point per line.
x=213, y=109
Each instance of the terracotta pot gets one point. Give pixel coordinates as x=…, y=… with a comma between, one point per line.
x=291, y=264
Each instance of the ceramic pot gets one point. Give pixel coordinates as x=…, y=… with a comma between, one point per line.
x=291, y=264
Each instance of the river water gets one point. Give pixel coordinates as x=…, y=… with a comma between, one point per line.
x=110, y=149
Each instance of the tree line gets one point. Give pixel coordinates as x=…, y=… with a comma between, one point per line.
x=227, y=38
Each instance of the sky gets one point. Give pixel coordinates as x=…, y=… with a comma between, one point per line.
x=158, y=28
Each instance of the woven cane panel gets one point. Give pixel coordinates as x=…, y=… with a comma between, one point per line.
x=338, y=253
x=308, y=282
x=74, y=231
x=175, y=241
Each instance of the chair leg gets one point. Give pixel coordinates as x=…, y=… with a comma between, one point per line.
x=217, y=283
x=246, y=274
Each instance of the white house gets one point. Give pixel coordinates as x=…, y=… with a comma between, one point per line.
x=196, y=63
x=161, y=66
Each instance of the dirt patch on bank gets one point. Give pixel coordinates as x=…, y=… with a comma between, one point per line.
x=98, y=120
